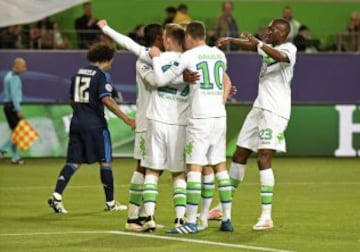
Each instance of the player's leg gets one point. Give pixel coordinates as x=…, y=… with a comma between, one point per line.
x=179, y=197
x=150, y=195
x=197, y=145
x=102, y=152
x=271, y=139
x=154, y=162
x=267, y=182
x=136, y=185
x=207, y=194
x=248, y=140
x=136, y=198
x=55, y=201
x=74, y=160
x=175, y=163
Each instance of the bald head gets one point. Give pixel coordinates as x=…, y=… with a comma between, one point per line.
x=19, y=65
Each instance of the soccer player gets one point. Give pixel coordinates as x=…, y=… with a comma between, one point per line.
x=264, y=126
x=12, y=106
x=145, y=85
x=89, y=135
x=167, y=114
x=206, y=126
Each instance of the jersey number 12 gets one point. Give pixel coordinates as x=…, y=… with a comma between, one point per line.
x=81, y=90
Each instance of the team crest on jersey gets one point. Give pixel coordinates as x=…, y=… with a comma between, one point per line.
x=176, y=63
x=146, y=67
x=108, y=87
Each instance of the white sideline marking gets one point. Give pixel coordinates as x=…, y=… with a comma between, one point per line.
x=126, y=186
x=169, y=238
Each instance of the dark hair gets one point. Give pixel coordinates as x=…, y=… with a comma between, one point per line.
x=170, y=9
x=86, y=3
x=151, y=32
x=175, y=32
x=182, y=7
x=303, y=28
x=100, y=52
x=196, y=30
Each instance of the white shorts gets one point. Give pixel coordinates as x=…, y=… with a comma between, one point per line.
x=140, y=144
x=206, y=141
x=263, y=129
x=165, y=147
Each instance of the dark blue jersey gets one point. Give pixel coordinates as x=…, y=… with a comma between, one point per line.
x=88, y=87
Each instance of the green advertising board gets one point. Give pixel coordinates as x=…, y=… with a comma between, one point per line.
x=314, y=130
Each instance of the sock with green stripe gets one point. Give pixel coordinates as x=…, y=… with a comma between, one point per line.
x=193, y=195
x=225, y=192
x=136, y=194
x=207, y=194
x=180, y=198
x=267, y=182
x=150, y=193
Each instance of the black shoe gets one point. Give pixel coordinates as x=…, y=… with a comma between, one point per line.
x=18, y=162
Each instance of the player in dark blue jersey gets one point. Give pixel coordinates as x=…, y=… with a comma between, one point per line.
x=89, y=135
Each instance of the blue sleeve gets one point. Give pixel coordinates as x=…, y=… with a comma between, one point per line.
x=104, y=85
x=16, y=92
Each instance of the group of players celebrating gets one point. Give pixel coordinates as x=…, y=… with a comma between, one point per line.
x=181, y=123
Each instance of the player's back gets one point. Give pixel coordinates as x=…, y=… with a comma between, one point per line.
x=206, y=97
x=170, y=104
x=88, y=87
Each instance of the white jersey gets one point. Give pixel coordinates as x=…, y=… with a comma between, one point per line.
x=143, y=94
x=170, y=104
x=206, y=96
x=275, y=77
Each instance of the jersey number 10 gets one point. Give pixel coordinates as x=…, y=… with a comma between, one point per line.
x=216, y=75
x=81, y=90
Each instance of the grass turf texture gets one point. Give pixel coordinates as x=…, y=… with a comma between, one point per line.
x=316, y=208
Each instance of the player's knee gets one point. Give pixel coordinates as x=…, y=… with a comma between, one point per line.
x=240, y=156
x=264, y=159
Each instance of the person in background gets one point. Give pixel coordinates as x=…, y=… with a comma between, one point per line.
x=138, y=34
x=170, y=15
x=90, y=139
x=304, y=42
x=12, y=106
x=86, y=28
x=182, y=15
x=287, y=14
x=226, y=25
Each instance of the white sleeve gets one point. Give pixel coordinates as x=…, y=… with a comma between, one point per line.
x=128, y=44
x=166, y=77
x=290, y=51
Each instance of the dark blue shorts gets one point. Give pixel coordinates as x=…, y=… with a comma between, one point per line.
x=89, y=146
x=11, y=115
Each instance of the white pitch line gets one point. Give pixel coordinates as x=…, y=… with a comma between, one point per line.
x=169, y=238
x=126, y=186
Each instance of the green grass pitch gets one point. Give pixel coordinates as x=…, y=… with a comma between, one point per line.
x=316, y=208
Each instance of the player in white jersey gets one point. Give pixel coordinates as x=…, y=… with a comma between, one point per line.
x=264, y=127
x=145, y=85
x=166, y=114
x=206, y=126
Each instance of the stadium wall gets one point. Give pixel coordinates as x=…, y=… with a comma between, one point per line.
x=324, y=18
x=314, y=130
x=326, y=102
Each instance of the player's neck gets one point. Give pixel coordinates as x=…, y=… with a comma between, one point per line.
x=101, y=65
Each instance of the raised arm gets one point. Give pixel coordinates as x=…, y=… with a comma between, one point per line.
x=125, y=41
x=243, y=44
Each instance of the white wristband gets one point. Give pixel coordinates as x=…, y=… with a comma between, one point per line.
x=259, y=45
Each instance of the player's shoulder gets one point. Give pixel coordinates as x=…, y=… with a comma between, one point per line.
x=289, y=46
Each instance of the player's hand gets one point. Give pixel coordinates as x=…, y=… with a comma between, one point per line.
x=102, y=23
x=254, y=41
x=154, y=52
x=190, y=76
x=20, y=115
x=131, y=122
x=223, y=41
x=233, y=90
